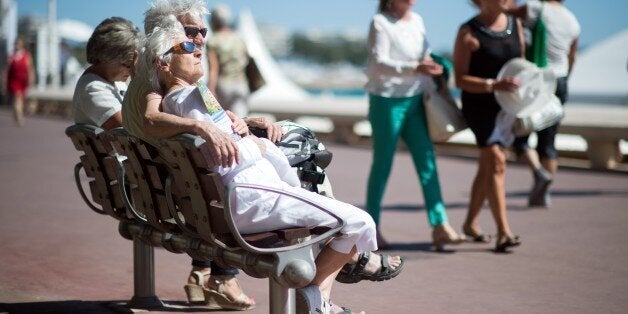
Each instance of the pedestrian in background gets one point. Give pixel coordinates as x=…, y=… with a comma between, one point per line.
x=228, y=58
x=399, y=63
x=483, y=45
x=18, y=76
x=559, y=47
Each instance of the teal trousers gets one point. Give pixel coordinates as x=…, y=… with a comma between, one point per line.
x=390, y=119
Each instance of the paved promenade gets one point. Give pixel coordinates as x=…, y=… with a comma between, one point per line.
x=57, y=256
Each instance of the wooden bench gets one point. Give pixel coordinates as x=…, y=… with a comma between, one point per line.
x=167, y=197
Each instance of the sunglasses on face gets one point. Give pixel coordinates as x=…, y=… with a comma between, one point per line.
x=182, y=47
x=191, y=32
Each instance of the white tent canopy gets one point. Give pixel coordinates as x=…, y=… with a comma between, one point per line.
x=74, y=30
x=278, y=86
x=600, y=72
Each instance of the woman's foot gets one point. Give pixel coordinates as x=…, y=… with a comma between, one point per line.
x=197, y=280
x=224, y=291
x=445, y=234
x=371, y=266
x=217, y=292
x=505, y=241
x=476, y=234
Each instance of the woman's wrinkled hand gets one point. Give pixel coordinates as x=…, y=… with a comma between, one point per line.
x=222, y=149
x=239, y=125
x=274, y=131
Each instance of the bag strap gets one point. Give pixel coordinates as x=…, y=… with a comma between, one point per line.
x=536, y=52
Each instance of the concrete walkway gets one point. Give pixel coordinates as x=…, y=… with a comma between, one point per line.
x=57, y=256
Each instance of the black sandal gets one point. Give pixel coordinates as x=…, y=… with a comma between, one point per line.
x=477, y=237
x=353, y=273
x=508, y=243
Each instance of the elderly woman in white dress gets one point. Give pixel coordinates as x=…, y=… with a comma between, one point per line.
x=174, y=67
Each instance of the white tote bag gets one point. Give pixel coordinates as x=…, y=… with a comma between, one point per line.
x=444, y=117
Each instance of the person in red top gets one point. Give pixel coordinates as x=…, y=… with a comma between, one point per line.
x=18, y=76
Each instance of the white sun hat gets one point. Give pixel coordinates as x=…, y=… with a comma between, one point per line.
x=537, y=86
x=533, y=104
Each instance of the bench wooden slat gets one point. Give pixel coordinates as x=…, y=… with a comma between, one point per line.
x=212, y=186
x=110, y=164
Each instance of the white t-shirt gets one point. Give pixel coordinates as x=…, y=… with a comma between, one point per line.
x=562, y=29
x=95, y=100
x=395, y=49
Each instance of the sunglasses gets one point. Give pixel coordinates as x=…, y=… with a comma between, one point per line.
x=191, y=32
x=182, y=47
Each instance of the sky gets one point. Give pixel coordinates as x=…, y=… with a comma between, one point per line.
x=598, y=18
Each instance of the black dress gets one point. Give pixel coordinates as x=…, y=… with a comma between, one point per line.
x=496, y=48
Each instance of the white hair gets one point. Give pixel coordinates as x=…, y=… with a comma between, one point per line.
x=160, y=11
x=160, y=40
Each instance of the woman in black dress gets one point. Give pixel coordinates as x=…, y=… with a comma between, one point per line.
x=483, y=45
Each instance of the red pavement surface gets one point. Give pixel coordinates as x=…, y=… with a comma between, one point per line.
x=57, y=256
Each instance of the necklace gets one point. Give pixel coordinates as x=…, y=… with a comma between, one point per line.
x=497, y=34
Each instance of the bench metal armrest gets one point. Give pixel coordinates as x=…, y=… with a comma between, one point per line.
x=245, y=245
x=122, y=185
x=77, y=179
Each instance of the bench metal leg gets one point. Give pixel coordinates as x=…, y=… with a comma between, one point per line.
x=282, y=299
x=144, y=276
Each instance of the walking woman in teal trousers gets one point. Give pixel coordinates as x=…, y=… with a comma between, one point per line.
x=399, y=64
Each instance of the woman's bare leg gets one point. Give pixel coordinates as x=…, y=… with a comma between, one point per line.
x=479, y=191
x=328, y=264
x=496, y=190
x=18, y=108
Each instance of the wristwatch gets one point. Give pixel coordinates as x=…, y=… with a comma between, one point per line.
x=490, y=84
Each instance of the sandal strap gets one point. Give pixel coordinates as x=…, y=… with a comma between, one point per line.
x=384, y=262
x=198, y=276
x=363, y=259
x=242, y=298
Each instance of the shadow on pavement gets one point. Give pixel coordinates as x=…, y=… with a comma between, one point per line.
x=572, y=193
x=414, y=207
x=93, y=307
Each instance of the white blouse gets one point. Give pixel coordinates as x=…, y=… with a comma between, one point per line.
x=395, y=49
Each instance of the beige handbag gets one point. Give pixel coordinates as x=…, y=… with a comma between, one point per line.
x=444, y=117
